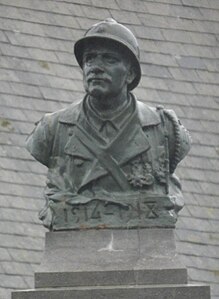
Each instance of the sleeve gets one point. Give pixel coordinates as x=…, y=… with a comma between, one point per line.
x=179, y=139
x=39, y=142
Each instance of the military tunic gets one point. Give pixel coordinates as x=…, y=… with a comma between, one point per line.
x=100, y=166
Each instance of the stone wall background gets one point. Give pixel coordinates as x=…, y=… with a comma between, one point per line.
x=179, y=42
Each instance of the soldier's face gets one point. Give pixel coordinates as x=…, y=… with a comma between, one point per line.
x=105, y=70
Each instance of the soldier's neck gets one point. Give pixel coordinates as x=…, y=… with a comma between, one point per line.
x=105, y=105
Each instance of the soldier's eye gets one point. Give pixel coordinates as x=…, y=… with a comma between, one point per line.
x=110, y=58
x=89, y=58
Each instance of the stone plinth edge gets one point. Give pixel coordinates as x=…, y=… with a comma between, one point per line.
x=120, y=292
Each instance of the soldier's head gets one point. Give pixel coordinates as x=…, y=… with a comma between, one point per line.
x=109, y=57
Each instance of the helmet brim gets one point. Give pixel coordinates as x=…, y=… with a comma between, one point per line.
x=80, y=45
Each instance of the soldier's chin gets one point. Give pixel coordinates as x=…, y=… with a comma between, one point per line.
x=97, y=92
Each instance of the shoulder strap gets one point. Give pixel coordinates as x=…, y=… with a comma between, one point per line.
x=177, y=143
x=161, y=110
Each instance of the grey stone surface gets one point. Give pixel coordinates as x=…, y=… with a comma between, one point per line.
x=121, y=292
x=112, y=277
x=112, y=264
x=110, y=257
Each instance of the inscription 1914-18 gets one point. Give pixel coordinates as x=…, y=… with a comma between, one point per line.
x=102, y=213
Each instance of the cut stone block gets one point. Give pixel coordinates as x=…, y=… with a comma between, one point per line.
x=110, y=257
x=120, y=292
x=112, y=264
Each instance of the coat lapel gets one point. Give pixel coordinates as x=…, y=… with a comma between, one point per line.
x=130, y=142
x=73, y=147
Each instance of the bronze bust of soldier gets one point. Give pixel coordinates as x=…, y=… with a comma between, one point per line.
x=111, y=159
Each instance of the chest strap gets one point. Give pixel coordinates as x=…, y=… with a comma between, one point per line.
x=106, y=160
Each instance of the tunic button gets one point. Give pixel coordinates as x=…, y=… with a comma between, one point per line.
x=70, y=132
x=160, y=107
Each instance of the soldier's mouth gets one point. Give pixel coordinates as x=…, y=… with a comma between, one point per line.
x=98, y=79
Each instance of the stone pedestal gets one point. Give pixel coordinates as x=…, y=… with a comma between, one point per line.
x=112, y=264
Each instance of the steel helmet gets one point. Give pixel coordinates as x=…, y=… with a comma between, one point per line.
x=117, y=33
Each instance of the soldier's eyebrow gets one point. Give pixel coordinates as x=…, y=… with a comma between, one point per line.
x=87, y=51
x=104, y=53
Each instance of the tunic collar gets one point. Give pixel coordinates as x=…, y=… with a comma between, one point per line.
x=117, y=119
x=148, y=116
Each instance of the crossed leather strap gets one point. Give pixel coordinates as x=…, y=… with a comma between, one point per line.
x=104, y=157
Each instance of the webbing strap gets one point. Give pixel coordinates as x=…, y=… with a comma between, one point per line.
x=166, y=144
x=107, y=161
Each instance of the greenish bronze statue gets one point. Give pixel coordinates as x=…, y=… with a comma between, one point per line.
x=111, y=159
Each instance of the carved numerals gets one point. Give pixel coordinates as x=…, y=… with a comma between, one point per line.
x=98, y=211
x=148, y=209
x=139, y=211
x=94, y=211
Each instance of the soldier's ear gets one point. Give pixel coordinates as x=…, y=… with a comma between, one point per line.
x=131, y=74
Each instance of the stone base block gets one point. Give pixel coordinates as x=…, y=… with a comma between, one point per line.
x=110, y=257
x=104, y=278
x=119, y=292
x=112, y=264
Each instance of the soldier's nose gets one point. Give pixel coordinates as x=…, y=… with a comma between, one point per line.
x=97, y=69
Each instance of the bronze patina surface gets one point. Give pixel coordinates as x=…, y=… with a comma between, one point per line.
x=111, y=159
